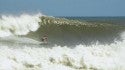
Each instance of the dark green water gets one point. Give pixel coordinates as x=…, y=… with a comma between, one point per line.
x=79, y=30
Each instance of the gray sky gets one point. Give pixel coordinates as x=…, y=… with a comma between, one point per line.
x=65, y=7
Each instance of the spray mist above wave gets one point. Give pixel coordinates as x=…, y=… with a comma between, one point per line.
x=18, y=25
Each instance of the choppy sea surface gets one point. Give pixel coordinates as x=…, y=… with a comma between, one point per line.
x=74, y=43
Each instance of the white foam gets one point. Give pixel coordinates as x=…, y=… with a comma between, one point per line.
x=19, y=40
x=100, y=57
x=18, y=25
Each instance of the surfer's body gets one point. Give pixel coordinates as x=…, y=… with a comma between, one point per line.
x=44, y=39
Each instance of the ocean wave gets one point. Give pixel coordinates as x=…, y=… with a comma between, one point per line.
x=25, y=23
x=72, y=44
x=59, y=30
x=63, y=31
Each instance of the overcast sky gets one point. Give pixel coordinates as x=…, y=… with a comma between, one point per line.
x=65, y=7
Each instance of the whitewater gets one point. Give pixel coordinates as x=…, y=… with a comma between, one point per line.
x=73, y=44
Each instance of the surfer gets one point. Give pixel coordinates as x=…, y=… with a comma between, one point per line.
x=44, y=39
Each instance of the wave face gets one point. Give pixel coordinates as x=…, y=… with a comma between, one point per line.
x=63, y=31
x=73, y=44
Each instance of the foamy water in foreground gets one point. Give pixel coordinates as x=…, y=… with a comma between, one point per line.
x=100, y=57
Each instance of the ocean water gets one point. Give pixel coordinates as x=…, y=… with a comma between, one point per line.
x=74, y=43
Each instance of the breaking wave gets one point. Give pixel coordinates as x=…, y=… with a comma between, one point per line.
x=72, y=45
